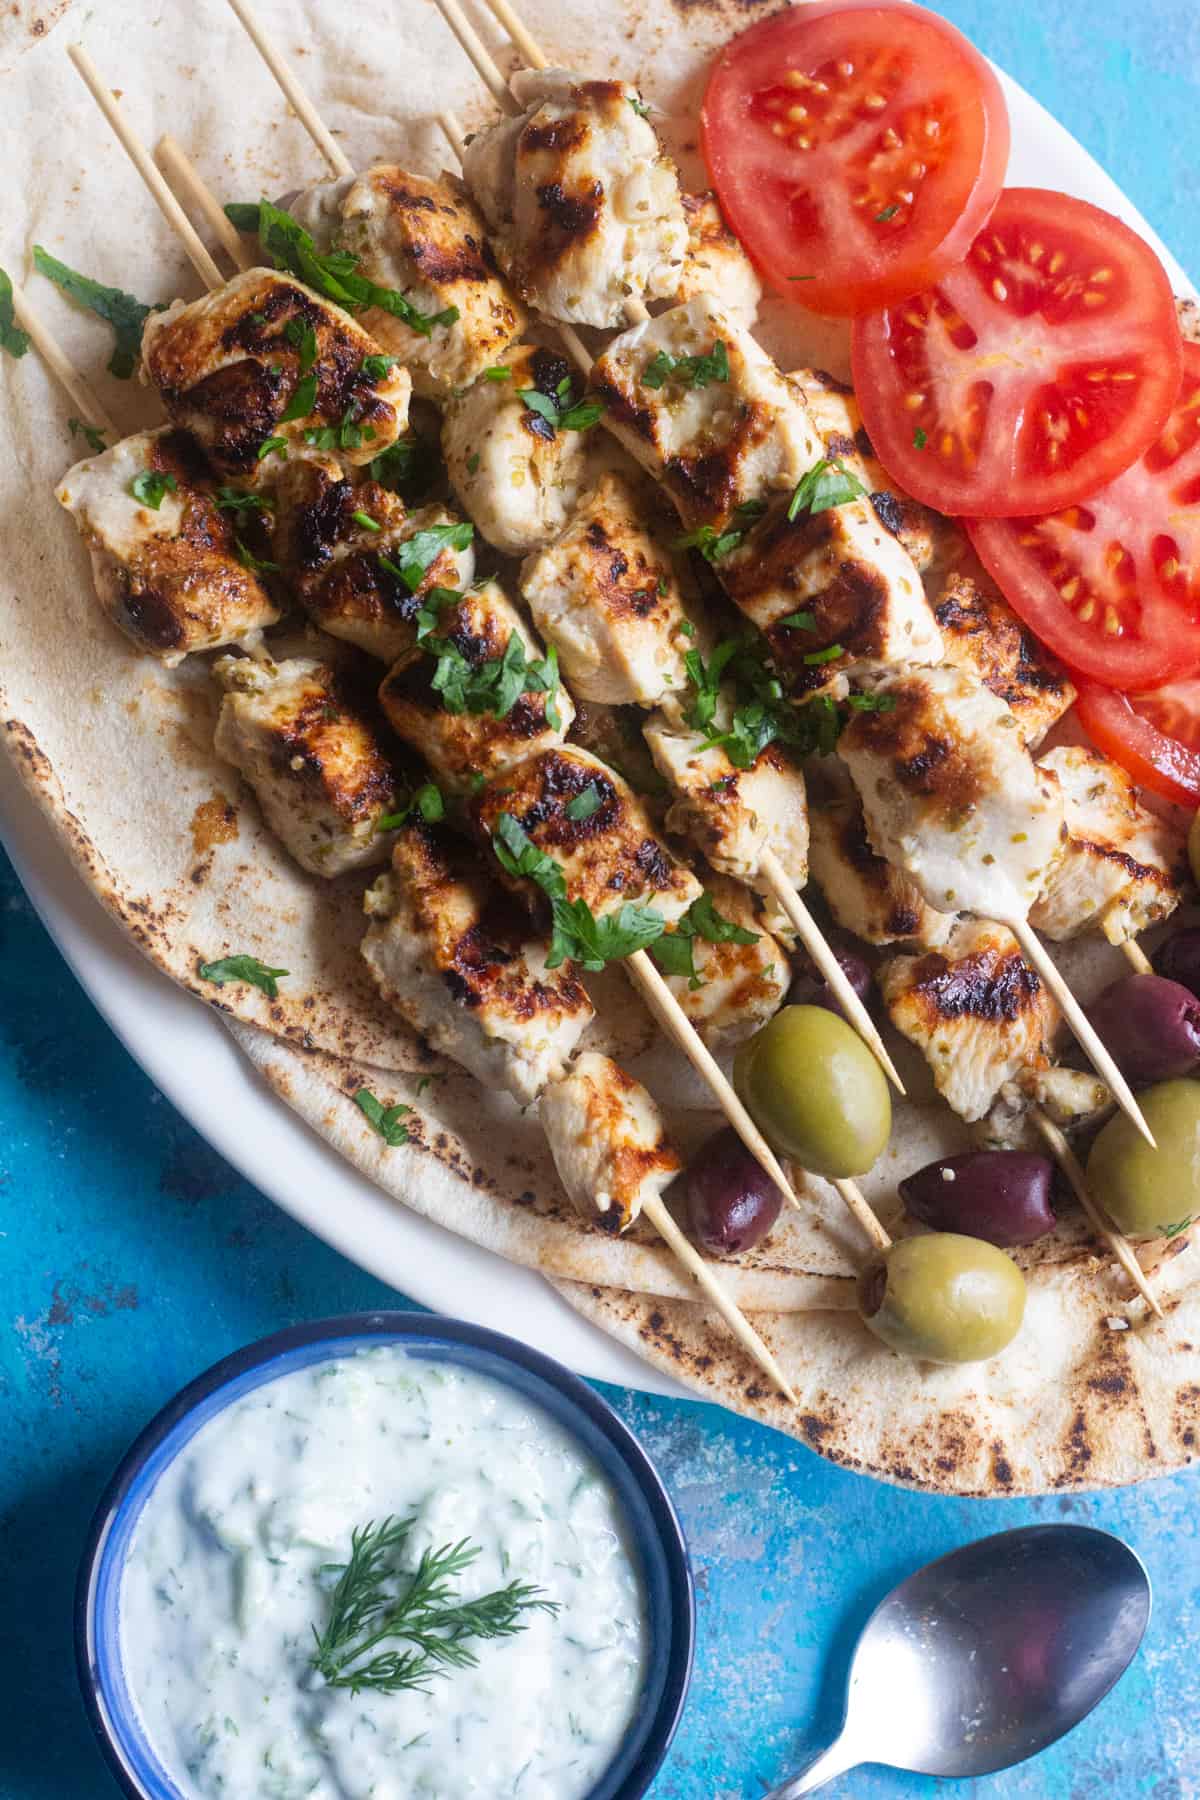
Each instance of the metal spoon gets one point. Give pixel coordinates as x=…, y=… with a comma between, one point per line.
x=988, y=1655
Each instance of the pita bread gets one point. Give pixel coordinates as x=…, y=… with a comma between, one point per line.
x=118, y=753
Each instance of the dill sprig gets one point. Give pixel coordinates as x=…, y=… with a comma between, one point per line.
x=374, y=1600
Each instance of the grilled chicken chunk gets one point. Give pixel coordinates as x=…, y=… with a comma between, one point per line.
x=1073, y=1099
x=167, y=576
x=338, y=565
x=615, y=735
x=313, y=753
x=976, y=1010
x=318, y=210
x=466, y=742
x=1120, y=868
x=457, y=958
x=834, y=411
x=865, y=893
x=714, y=446
x=610, y=855
x=425, y=240
x=715, y=262
x=982, y=634
x=518, y=474
x=228, y=367
x=583, y=204
x=606, y=596
x=608, y=1140
x=732, y=814
x=854, y=586
x=951, y=795
x=741, y=985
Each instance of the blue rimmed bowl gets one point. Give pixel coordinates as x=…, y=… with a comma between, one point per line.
x=654, y=1530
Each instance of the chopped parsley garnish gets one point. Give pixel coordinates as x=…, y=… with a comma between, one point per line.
x=585, y=803
x=799, y=621
x=578, y=934
x=299, y=332
x=557, y=410
x=334, y=275
x=243, y=968
x=712, y=544
x=493, y=686
x=365, y=520
x=639, y=105
x=118, y=309
x=473, y=462
x=426, y=800
x=802, y=278
x=760, y=713
x=688, y=371
x=826, y=484
x=241, y=503
x=93, y=438
x=12, y=338
x=418, y=553
x=871, y=702
x=303, y=400
x=375, y=368
x=347, y=435
x=920, y=438
x=376, y=1598
x=257, y=565
x=830, y=653
x=269, y=446
x=889, y=212
x=388, y=1121
x=498, y=372
x=675, y=950
x=150, y=486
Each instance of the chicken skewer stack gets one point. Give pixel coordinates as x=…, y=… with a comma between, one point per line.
x=302, y=702
x=913, y=535
x=654, y=437
x=419, y=724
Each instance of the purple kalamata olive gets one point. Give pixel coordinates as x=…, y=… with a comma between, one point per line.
x=1151, y=1025
x=1178, y=959
x=731, y=1203
x=1002, y=1196
x=810, y=988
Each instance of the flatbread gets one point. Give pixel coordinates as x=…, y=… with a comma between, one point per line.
x=118, y=754
x=1075, y=1402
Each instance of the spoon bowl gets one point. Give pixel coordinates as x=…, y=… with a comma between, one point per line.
x=989, y=1655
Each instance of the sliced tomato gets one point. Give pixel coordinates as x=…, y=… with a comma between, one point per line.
x=856, y=148
x=1033, y=373
x=1155, y=736
x=1113, y=585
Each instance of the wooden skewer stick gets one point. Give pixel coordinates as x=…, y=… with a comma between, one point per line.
x=1134, y=954
x=863, y=1214
x=142, y=161
x=477, y=54
x=182, y=175
x=682, y=1246
x=1120, y=1246
x=679, y=1028
x=1084, y=1030
x=293, y=93
x=64, y=372
x=520, y=34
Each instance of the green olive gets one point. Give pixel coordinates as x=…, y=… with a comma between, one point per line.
x=815, y=1090
x=1149, y=1192
x=944, y=1298
x=1194, y=848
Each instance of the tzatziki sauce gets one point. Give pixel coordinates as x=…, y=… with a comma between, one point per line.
x=233, y=1562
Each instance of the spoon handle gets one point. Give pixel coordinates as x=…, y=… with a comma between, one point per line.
x=834, y=1761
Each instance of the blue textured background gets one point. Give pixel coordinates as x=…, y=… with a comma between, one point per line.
x=131, y=1257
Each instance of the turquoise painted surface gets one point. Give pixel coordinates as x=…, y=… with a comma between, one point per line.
x=131, y=1257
